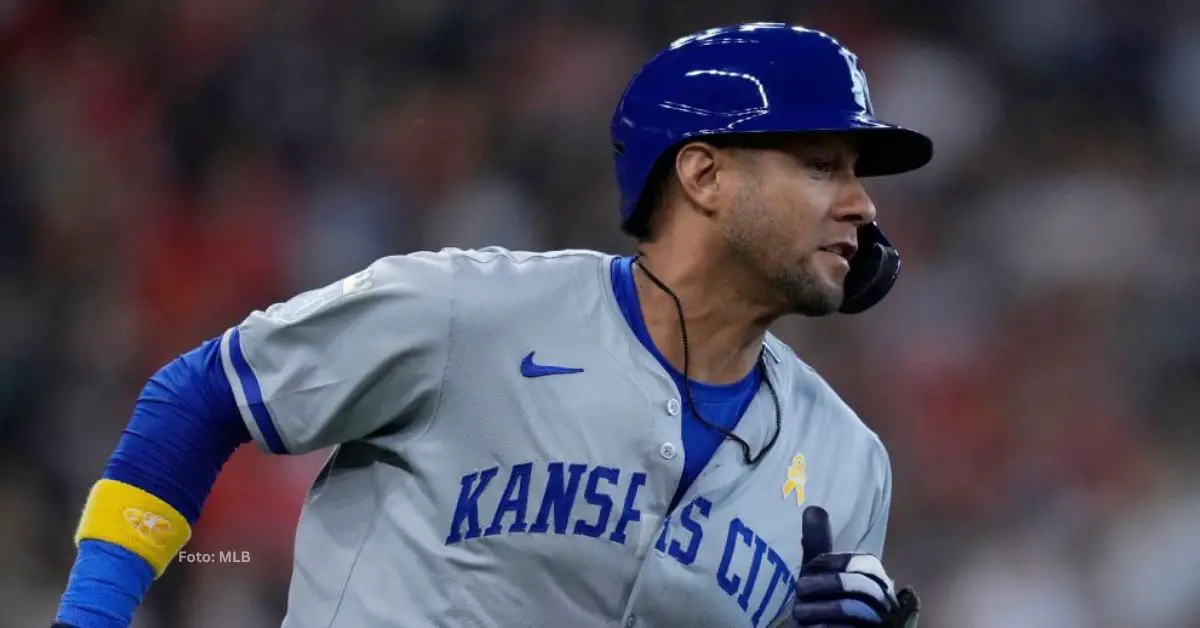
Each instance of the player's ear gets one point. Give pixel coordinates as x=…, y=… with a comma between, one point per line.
x=699, y=170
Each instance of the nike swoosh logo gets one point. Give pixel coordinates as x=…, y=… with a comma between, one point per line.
x=529, y=369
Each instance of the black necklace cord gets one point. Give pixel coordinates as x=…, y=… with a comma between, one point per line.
x=687, y=386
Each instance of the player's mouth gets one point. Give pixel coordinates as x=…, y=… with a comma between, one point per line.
x=845, y=250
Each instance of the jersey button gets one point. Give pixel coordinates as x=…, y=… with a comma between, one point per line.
x=630, y=621
x=667, y=451
x=672, y=407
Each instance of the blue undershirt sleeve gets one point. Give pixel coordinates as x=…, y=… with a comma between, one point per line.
x=185, y=426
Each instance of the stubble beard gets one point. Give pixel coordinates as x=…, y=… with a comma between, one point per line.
x=795, y=284
x=804, y=293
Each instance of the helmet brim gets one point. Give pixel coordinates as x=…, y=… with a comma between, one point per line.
x=887, y=149
x=883, y=149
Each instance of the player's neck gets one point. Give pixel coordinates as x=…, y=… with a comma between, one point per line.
x=725, y=327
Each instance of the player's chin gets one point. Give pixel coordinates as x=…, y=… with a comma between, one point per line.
x=830, y=300
x=814, y=294
x=815, y=304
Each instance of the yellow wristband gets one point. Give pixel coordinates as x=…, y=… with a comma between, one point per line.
x=136, y=520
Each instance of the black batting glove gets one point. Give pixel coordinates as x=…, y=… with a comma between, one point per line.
x=846, y=589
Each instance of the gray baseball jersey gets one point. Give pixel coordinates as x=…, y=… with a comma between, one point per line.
x=474, y=485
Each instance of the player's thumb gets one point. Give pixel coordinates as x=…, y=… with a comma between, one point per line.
x=818, y=536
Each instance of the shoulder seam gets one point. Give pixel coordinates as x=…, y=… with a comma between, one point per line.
x=495, y=254
x=451, y=318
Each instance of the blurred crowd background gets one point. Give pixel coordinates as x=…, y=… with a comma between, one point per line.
x=168, y=166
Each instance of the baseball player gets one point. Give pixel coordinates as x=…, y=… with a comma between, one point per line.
x=569, y=438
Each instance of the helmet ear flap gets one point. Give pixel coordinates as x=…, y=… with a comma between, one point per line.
x=873, y=271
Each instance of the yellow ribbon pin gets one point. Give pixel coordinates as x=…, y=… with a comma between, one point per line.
x=797, y=478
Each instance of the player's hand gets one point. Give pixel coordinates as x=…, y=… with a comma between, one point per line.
x=846, y=589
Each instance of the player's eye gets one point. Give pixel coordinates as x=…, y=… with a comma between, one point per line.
x=822, y=165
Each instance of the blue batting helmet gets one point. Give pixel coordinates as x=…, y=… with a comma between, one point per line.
x=762, y=78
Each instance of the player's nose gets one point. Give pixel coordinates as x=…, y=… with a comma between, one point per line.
x=854, y=204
